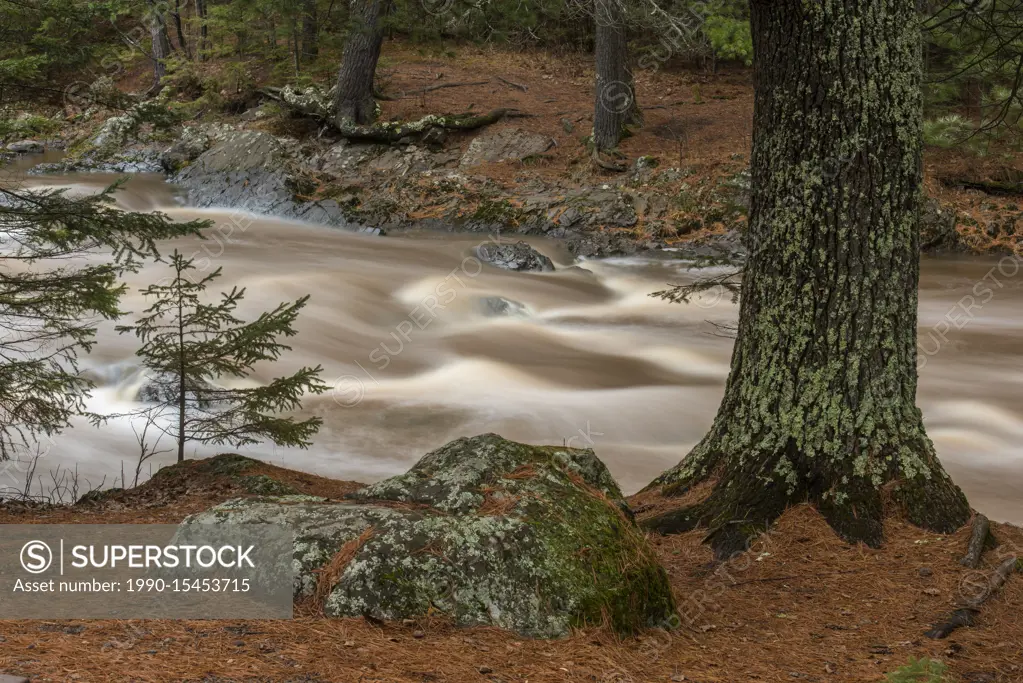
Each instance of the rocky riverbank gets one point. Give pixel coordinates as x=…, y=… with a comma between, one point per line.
x=393, y=188
x=442, y=182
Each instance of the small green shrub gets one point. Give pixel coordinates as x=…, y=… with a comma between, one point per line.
x=947, y=131
x=27, y=126
x=922, y=670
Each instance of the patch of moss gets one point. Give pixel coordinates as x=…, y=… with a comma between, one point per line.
x=98, y=496
x=490, y=211
x=922, y=670
x=264, y=485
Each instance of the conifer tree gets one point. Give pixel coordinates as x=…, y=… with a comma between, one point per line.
x=188, y=346
x=51, y=299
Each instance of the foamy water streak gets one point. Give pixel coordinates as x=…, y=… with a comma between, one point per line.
x=406, y=328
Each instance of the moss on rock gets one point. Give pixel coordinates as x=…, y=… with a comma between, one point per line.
x=484, y=530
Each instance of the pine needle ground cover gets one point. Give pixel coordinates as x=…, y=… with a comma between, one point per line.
x=801, y=605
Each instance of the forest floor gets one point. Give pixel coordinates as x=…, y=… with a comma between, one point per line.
x=800, y=605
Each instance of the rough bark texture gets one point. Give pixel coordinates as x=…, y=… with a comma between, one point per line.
x=200, y=11
x=310, y=31
x=353, y=101
x=820, y=402
x=182, y=43
x=615, y=104
x=161, y=43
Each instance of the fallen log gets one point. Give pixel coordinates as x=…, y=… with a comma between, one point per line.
x=317, y=105
x=979, y=540
x=969, y=609
x=991, y=187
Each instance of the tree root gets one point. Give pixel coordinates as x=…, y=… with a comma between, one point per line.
x=513, y=84
x=606, y=165
x=746, y=500
x=966, y=614
x=733, y=520
x=317, y=105
x=980, y=539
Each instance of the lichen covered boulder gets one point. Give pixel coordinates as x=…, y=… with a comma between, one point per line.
x=483, y=530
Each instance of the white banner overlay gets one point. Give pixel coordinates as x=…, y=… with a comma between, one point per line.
x=146, y=571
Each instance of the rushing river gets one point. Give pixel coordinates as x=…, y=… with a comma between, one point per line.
x=407, y=333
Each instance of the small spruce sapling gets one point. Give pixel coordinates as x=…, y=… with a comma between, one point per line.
x=188, y=346
x=52, y=298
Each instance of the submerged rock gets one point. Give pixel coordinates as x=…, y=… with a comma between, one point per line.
x=497, y=306
x=518, y=256
x=483, y=530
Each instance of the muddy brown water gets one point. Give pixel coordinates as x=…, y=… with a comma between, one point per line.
x=406, y=332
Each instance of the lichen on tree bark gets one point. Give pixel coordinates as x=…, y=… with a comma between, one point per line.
x=820, y=403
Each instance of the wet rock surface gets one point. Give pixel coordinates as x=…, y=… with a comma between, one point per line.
x=252, y=172
x=938, y=228
x=379, y=188
x=518, y=256
x=26, y=147
x=509, y=144
x=483, y=530
x=498, y=306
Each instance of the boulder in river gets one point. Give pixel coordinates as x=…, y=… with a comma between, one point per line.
x=486, y=531
x=498, y=306
x=518, y=256
x=26, y=147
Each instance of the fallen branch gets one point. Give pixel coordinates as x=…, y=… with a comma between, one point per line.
x=513, y=84
x=663, y=106
x=794, y=577
x=979, y=540
x=440, y=86
x=420, y=91
x=966, y=614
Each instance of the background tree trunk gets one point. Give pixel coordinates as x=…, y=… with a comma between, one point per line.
x=310, y=31
x=200, y=10
x=161, y=43
x=615, y=104
x=820, y=403
x=354, y=98
x=182, y=43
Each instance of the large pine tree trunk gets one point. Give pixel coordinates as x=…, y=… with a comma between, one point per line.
x=820, y=401
x=354, y=98
x=615, y=102
x=310, y=31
